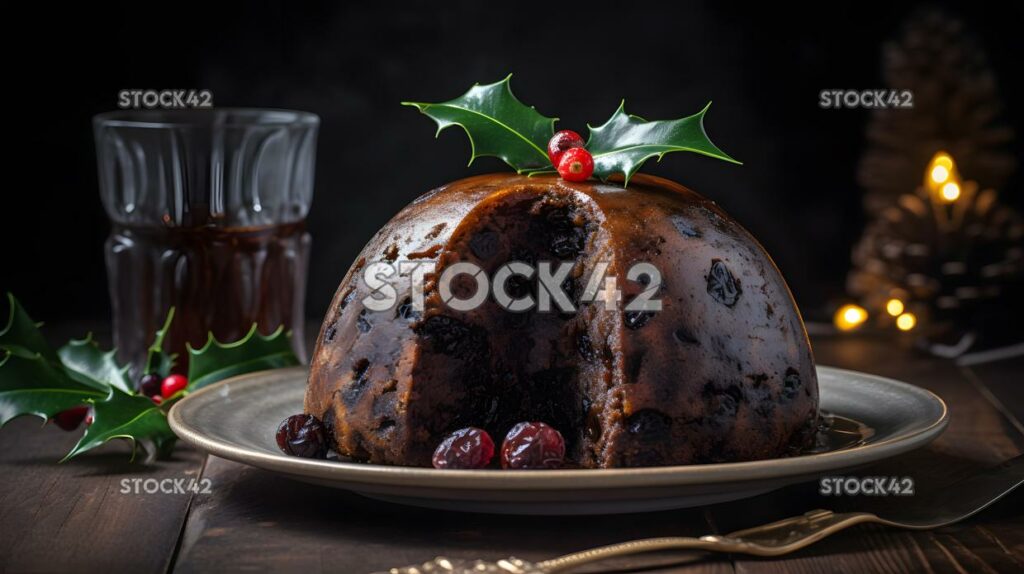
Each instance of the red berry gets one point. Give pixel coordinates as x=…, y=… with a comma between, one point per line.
x=465, y=448
x=576, y=165
x=532, y=445
x=157, y=399
x=172, y=384
x=149, y=384
x=560, y=142
x=71, y=418
x=302, y=435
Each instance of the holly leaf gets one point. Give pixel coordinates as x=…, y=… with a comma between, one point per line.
x=624, y=142
x=32, y=385
x=497, y=124
x=217, y=361
x=88, y=364
x=22, y=331
x=132, y=417
x=158, y=361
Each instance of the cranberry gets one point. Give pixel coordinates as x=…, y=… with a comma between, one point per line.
x=560, y=142
x=302, y=435
x=157, y=399
x=149, y=384
x=532, y=445
x=576, y=165
x=71, y=418
x=172, y=384
x=465, y=448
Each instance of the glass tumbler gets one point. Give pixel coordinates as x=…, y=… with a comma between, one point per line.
x=207, y=212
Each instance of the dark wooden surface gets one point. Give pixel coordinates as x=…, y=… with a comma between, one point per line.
x=74, y=517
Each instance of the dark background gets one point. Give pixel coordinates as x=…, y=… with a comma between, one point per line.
x=763, y=65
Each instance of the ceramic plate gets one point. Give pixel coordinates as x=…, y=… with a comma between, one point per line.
x=237, y=418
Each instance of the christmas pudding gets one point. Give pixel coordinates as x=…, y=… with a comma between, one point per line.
x=573, y=312
x=723, y=372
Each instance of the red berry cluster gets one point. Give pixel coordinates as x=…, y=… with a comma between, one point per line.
x=529, y=445
x=150, y=385
x=570, y=158
x=159, y=389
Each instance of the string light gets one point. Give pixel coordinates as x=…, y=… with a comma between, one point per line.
x=906, y=321
x=894, y=307
x=849, y=317
x=941, y=178
x=940, y=174
x=951, y=191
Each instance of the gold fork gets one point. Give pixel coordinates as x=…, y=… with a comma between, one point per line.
x=954, y=503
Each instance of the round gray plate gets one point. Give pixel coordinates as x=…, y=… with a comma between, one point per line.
x=236, y=419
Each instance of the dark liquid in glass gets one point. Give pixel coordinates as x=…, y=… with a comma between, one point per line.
x=218, y=279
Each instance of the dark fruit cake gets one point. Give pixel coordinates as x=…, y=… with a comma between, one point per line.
x=723, y=372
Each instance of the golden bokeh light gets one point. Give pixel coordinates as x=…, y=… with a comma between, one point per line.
x=940, y=174
x=894, y=307
x=906, y=321
x=849, y=317
x=951, y=191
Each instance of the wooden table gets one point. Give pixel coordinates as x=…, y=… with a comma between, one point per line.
x=76, y=517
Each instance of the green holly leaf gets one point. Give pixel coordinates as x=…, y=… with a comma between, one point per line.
x=22, y=331
x=217, y=361
x=88, y=364
x=497, y=125
x=126, y=416
x=32, y=385
x=158, y=361
x=624, y=142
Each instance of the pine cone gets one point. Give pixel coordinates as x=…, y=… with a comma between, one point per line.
x=960, y=274
x=956, y=105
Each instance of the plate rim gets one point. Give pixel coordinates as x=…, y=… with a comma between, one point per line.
x=576, y=479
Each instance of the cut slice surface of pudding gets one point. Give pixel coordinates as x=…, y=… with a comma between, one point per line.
x=723, y=372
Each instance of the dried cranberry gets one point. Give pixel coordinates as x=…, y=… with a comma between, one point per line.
x=302, y=435
x=465, y=448
x=149, y=385
x=532, y=445
x=71, y=418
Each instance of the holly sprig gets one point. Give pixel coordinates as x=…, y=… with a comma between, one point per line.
x=36, y=380
x=500, y=125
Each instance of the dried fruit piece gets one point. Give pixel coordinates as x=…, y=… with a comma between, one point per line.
x=722, y=285
x=465, y=448
x=532, y=445
x=302, y=435
x=636, y=319
x=649, y=424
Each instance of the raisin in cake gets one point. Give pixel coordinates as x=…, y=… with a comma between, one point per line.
x=723, y=372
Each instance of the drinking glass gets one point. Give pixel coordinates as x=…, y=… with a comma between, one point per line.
x=207, y=211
